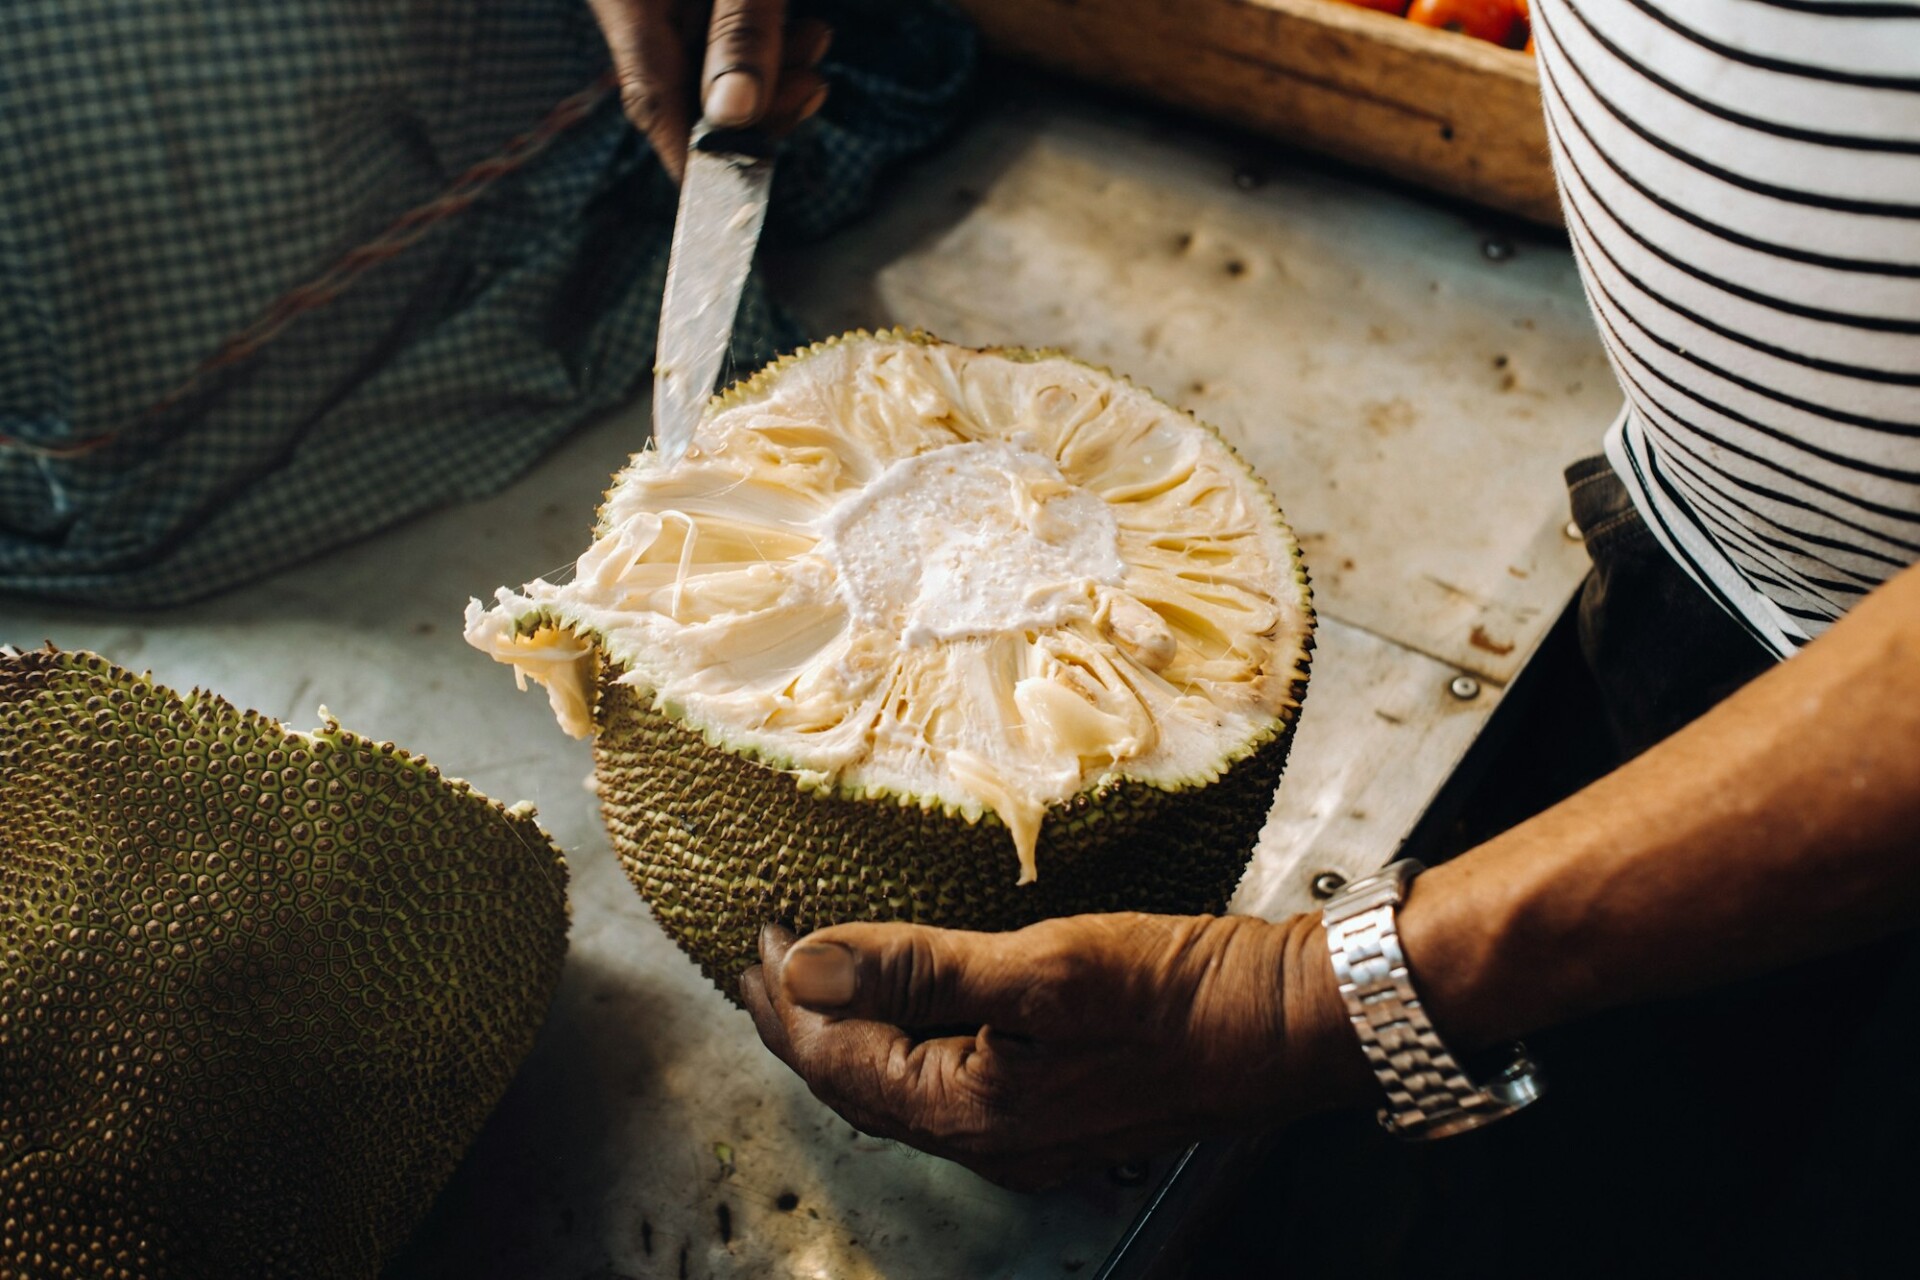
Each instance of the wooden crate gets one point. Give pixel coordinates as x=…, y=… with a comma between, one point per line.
x=1438, y=109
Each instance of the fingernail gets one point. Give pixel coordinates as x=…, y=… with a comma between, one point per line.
x=820, y=974
x=733, y=97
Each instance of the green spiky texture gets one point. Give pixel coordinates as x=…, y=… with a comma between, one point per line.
x=719, y=844
x=260, y=989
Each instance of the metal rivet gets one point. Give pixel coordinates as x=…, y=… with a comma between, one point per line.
x=1496, y=249
x=1328, y=883
x=1572, y=531
x=1131, y=1174
x=1464, y=688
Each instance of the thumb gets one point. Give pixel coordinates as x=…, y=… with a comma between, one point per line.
x=909, y=975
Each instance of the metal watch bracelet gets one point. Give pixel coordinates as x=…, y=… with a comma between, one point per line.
x=1429, y=1094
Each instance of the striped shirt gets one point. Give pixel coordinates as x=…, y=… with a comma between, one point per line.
x=1742, y=188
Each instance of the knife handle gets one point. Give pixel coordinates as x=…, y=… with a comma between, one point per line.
x=754, y=144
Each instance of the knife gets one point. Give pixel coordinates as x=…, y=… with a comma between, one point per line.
x=723, y=202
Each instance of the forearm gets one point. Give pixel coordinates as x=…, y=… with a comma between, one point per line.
x=1783, y=824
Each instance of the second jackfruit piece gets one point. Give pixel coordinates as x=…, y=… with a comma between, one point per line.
x=260, y=987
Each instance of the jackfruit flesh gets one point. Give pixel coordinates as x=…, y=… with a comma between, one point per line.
x=1000, y=590
x=260, y=987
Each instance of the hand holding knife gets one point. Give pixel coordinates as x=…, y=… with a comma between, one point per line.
x=754, y=71
x=757, y=82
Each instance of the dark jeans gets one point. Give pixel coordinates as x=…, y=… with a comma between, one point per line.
x=1761, y=1129
x=1660, y=650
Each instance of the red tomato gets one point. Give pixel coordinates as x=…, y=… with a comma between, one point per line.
x=1495, y=20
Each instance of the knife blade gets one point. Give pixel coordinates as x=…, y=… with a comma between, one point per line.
x=723, y=202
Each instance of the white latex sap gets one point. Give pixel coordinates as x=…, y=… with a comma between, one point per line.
x=974, y=539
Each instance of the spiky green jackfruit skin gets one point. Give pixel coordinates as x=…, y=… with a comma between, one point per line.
x=719, y=844
x=258, y=990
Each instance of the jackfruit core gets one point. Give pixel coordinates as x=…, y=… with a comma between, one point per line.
x=982, y=581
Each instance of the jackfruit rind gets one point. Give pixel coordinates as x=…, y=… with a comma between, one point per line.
x=261, y=988
x=719, y=845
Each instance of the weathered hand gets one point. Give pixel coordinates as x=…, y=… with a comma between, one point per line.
x=1029, y=1055
x=754, y=70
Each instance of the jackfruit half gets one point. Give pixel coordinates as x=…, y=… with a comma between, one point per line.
x=260, y=988
x=918, y=632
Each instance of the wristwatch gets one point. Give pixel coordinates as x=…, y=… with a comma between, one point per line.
x=1429, y=1094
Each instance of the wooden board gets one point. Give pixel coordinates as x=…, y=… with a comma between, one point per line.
x=1438, y=109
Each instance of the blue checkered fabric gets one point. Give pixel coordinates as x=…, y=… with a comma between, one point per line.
x=169, y=168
